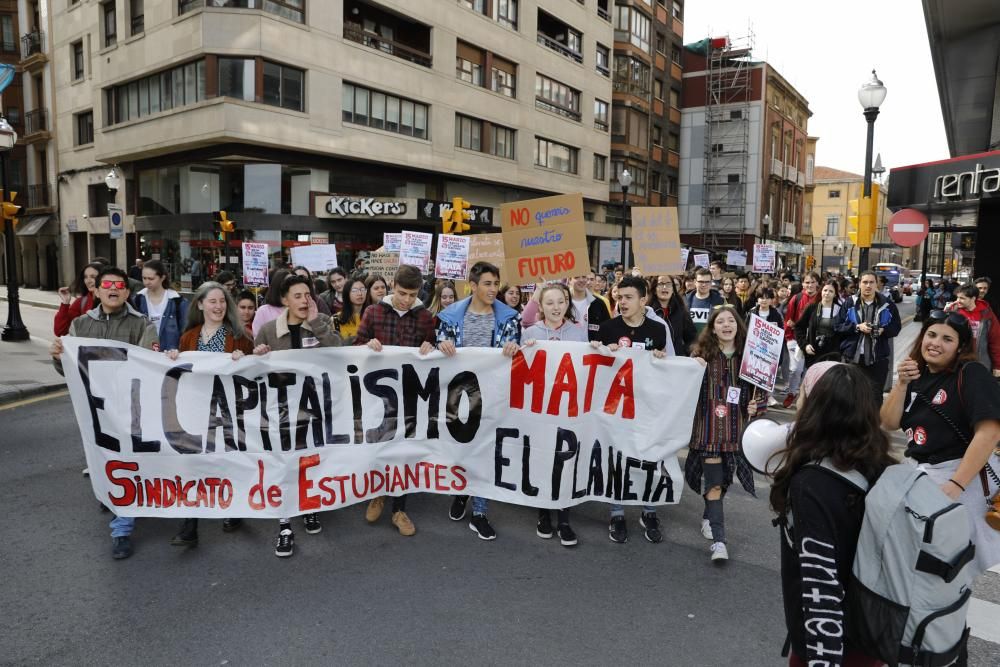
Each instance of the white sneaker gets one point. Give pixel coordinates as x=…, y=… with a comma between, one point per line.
x=771, y=401
x=706, y=529
x=85, y=472
x=719, y=552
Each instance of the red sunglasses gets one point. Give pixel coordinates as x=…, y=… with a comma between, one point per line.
x=113, y=284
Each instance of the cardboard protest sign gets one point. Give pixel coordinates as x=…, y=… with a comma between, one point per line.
x=255, y=264
x=382, y=263
x=762, y=354
x=544, y=239
x=415, y=249
x=321, y=257
x=656, y=240
x=736, y=257
x=763, y=258
x=452, y=259
x=488, y=248
x=301, y=431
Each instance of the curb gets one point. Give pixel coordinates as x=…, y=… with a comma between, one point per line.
x=11, y=393
x=36, y=304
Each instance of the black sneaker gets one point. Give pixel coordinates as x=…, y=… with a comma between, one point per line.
x=121, y=547
x=481, y=526
x=567, y=537
x=285, y=544
x=544, y=529
x=457, y=511
x=617, y=530
x=651, y=526
x=312, y=523
x=229, y=525
x=188, y=537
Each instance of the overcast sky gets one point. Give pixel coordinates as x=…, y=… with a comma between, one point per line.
x=826, y=51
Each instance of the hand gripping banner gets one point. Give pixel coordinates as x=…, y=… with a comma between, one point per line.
x=310, y=430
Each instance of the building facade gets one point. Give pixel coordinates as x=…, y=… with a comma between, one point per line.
x=314, y=122
x=744, y=147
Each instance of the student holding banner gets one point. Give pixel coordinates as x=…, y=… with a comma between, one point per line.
x=112, y=319
x=214, y=325
x=726, y=405
x=399, y=319
x=299, y=326
x=479, y=320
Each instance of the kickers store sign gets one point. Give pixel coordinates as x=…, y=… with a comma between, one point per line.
x=341, y=206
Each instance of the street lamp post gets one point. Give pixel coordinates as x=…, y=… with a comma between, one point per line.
x=765, y=227
x=15, y=329
x=624, y=180
x=870, y=95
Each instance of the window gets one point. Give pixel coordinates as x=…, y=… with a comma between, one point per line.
x=833, y=225
x=98, y=198
x=293, y=10
x=362, y=106
x=678, y=11
x=84, y=128
x=630, y=126
x=603, y=60
x=110, y=23
x=478, y=135
x=557, y=97
x=478, y=6
x=732, y=178
x=137, y=16
x=469, y=64
x=236, y=78
x=506, y=13
x=657, y=135
x=735, y=115
x=673, y=141
x=833, y=194
x=631, y=25
x=631, y=76
x=177, y=87
x=638, y=173
x=658, y=89
x=76, y=51
x=503, y=77
x=675, y=55
x=654, y=181
x=503, y=142
x=552, y=155
x=600, y=167
x=601, y=115
x=468, y=133
x=675, y=98
x=671, y=186
x=661, y=43
x=283, y=86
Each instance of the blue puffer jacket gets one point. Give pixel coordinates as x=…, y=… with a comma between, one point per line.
x=451, y=323
x=174, y=319
x=886, y=318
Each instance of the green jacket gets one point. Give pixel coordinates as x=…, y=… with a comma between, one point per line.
x=126, y=326
x=276, y=334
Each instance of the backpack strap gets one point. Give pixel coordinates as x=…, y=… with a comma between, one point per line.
x=852, y=477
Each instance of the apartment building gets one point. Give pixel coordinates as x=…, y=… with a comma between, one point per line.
x=744, y=151
x=315, y=122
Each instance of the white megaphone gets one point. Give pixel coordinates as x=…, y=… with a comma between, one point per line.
x=761, y=440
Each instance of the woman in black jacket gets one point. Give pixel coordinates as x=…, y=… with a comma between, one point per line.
x=814, y=332
x=767, y=308
x=666, y=302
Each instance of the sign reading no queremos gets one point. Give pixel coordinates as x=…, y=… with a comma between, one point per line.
x=544, y=239
x=307, y=430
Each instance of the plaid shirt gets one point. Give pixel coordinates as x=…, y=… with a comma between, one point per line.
x=382, y=322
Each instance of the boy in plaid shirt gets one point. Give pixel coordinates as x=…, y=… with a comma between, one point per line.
x=399, y=319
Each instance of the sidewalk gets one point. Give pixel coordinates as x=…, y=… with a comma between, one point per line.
x=27, y=371
x=34, y=297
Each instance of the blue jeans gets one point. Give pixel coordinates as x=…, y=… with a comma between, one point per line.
x=121, y=526
x=619, y=510
x=479, y=505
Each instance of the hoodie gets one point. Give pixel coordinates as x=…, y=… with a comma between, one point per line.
x=173, y=320
x=986, y=330
x=384, y=323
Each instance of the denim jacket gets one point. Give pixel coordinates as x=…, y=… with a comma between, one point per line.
x=506, y=327
x=174, y=320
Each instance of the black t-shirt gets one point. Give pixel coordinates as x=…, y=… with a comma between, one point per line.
x=649, y=335
x=296, y=332
x=931, y=439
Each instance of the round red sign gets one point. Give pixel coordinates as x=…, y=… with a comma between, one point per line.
x=908, y=227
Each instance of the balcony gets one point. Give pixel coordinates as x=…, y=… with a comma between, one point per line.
x=383, y=31
x=560, y=37
x=36, y=126
x=37, y=197
x=801, y=180
x=788, y=230
x=777, y=169
x=791, y=174
x=33, y=50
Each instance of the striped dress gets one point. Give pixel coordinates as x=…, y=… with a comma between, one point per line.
x=719, y=425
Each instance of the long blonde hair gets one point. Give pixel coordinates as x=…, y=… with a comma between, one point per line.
x=196, y=317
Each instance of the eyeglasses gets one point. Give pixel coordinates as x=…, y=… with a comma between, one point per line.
x=357, y=290
x=113, y=284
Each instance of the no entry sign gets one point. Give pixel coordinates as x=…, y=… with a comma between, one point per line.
x=908, y=227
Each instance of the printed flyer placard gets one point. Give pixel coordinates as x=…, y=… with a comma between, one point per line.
x=736, y=257
x=762, y=354
x=255, y=264
x=391, y=241
x=763, y=258
x=415, y=248
x=452, y=259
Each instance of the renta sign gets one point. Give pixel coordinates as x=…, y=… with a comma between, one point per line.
x=967, y=184
x=343, y=206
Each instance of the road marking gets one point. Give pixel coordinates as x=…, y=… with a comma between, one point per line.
x=34, y=399
x=984, y=620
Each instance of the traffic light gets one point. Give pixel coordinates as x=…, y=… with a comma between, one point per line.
x=10, y=209
x=810, y=262
x=868, y=218
x=453, y=221
x=853, y=220
x=947, y=266
x=226, y=226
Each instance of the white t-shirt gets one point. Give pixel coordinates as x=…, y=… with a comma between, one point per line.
x=155, y=310
x=581, y=310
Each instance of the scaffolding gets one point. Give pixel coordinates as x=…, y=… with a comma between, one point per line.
x=728, y=83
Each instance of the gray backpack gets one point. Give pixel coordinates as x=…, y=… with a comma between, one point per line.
x=911, y=581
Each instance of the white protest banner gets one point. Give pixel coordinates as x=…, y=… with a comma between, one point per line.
x=305, y=430
x=255, y=264
x=315, y=257
x=656, y=240
x=685, y=253
x=452, y=258
x=736, y=257
x=383, y=264
x=701, y=260
x=415, y=248
x=763, y=258
x=762, y=354
x=391, y=241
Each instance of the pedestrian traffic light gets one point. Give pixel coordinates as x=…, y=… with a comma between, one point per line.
x=453, y=221
x=853, y=220
x=10, y=209
x=226, y=226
